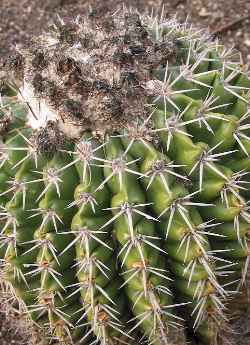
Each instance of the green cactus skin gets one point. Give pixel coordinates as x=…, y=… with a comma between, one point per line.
x=124, y=172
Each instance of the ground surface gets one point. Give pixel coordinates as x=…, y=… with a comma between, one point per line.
x=19, y=19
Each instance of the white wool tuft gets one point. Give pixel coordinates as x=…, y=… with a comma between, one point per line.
x=38, y=107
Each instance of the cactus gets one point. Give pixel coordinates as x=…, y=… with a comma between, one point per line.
x=124, y=169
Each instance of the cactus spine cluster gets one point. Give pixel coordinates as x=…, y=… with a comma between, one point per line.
x=124, y=172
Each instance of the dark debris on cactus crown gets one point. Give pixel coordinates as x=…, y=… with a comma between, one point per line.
x=92, y=72
x=49, y=139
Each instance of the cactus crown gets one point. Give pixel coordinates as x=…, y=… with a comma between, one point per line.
x=124, y=166
x=95, y=73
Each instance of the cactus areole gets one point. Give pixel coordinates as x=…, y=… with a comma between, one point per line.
x=124, y=172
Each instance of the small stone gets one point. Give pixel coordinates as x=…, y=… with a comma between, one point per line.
x=203, y=12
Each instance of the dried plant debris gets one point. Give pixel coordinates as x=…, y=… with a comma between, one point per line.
x=92, y=73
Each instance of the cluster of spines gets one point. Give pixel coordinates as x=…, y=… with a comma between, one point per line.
x=146, y=277
x=180, y=120
x=219, y=184
x=32, y=237
x=50, y=242
x=103, y=305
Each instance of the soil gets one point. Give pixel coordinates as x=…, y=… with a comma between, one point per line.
x=20, y=19
x=15, y=328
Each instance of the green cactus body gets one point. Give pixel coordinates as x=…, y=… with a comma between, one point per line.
x=124, y=172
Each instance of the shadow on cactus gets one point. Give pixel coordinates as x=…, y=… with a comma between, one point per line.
x=124, y=169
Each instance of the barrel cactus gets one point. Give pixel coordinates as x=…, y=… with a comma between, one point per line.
x=124, y=169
